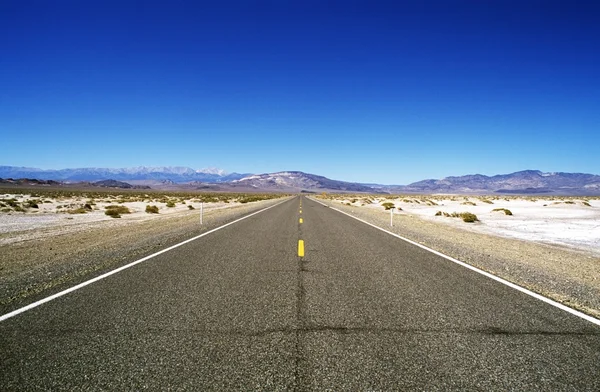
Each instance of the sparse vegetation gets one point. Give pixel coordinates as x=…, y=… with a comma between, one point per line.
x=388, y=205
x=112, y=213
x=151, y=209
x=468, y=217
x=465, y=216
x=115, y=211
x=79, y=210
x=468, y=203
x=170, y=204
x=191, y=207
x=506, y=211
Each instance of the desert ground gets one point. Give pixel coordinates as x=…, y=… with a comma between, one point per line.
x=568, y=221
x=50, y=240
x=550, y=245
x=27, y=216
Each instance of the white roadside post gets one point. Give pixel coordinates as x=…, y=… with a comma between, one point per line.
x=201, y=212
x=392, y=216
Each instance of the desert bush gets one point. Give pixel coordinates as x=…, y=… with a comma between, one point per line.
x=487, y=201
x=468, y=217
x=80, y=210
x=506, y=211
x=19, y=209
x=112, y=213
x=32, y=204
x=388, y=205
x=468, y=203
x=191, y=207
x=585, y=203
x=431, y=202
x=11, y=202
x=170, y=204
x=151, y=209
x=115, y=211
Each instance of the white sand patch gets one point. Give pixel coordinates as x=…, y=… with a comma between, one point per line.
x=52, y=217
x=563, y=221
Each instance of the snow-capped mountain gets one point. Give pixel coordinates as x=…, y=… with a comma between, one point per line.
x=296, y=181
x=177, y=174
x=522, y=182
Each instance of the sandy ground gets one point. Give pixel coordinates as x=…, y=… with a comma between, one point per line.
x=56, y=216
x=571, y=222
x=49, y=250
x=537, y=247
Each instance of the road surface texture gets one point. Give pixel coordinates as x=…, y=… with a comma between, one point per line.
x=238, y=309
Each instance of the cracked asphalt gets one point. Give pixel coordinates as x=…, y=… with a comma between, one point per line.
x=240, y=310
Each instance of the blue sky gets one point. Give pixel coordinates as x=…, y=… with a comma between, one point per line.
x=387, y=92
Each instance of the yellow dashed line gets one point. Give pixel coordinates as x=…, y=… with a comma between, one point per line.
x=301, y=220
x=300, y=248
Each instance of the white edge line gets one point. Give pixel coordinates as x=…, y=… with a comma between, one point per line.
x=88, y=282
x=479, y=271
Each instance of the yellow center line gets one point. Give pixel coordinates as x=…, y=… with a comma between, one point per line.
x=300, y=248
x=301, y=220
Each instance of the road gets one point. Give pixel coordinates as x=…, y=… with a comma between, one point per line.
x=238, y=309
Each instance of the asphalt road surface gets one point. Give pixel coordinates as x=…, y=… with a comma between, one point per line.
x=238, y=309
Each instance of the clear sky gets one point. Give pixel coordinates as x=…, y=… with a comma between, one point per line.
x=368, y=91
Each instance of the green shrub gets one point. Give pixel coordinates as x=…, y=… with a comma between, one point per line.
x=170, y=204
x=32, y=204
x=388, y=205
x=506, y=211
x=468, y=217
x=151, y=209
x=116, y=211
x=113, y=213
x=468, y=203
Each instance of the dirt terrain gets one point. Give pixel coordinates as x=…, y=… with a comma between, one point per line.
x=44, y=252
x=552, y=262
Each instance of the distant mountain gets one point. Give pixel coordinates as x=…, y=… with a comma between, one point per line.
x=173, y=178
x=175, y=174
x=117, y=184
x=522, y=182
x=291, y=181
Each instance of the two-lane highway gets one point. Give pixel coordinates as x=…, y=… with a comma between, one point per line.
x=243, y=309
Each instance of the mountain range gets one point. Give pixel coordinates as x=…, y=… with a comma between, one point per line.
x=177, y=174
x=522, y=182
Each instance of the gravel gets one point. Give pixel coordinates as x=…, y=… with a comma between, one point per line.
x=33, y=267
x=563, y=274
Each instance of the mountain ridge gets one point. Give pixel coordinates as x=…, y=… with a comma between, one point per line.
x=178, y=174
x=521, y=182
